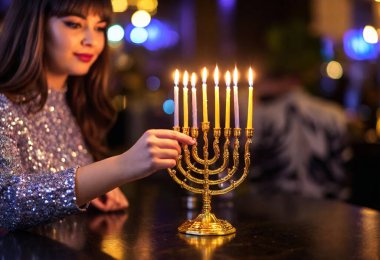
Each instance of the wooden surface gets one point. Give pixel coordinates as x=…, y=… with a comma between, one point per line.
x=269, y=226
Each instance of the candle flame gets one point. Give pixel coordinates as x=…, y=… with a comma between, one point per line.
x=251, y=76
x=216, y=76
x=176, y=77
x=193, y=79
x=185, y=78
x=235, y=76
x=228, y=78
x=204, y=75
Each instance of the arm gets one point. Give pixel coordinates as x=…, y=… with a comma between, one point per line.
x=30, y=199
x=27, y=199
x=155, y=150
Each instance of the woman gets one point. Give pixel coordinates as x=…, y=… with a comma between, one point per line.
x=55, y=115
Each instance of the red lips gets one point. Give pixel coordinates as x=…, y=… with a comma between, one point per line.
x=84, y=57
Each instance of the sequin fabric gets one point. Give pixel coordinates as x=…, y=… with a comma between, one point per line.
x=39, y=155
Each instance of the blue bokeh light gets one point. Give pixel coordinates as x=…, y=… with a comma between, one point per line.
x=168, y=106
x=4, y=4
x=227, y=4
x=153, y=83
x=138, y=35
x=357, y=48
x=327, y=49
x=159, y=35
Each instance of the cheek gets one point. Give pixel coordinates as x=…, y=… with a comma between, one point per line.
x=102, y=43
x=60, y=45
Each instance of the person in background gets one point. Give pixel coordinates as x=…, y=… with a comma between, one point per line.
x=55, y=113
x=300, y=140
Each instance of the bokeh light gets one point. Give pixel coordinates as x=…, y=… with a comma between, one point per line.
x=115, y=33
x=124, y=61
x=138, y=35
x=168, y=106
x=370, y=34
x=227, y=4
x=141, y=18
x=334, y=70
x=357, y=48
x=153, y=83
x=147, y=5
x=160, y=36
x=119, y=6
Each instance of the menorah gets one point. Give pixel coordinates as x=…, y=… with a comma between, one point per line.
x=198, y=170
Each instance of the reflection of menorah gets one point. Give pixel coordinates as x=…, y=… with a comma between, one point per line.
x=204, y=175
x=207, y=245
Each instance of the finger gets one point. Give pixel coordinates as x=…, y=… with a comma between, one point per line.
x=166, y=154
x=121, y=200
x=170, y=134
x=99, y=205
x=165, y=163
x=168, y=144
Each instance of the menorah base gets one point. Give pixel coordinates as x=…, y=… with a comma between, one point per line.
x=207, y=225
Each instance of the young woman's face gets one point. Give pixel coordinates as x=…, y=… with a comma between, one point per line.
x=74, y=43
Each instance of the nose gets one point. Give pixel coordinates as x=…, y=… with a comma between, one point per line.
x=89, y=38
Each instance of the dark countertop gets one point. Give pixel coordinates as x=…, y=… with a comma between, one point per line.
x=269, y=226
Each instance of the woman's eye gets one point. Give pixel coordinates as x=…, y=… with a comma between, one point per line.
x=101, y=29
x=72, y=24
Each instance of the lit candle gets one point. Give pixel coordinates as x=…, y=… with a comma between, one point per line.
x=204, y=94
x=194, y=99
x=185, y=99
x=176, y=90
x=217, y=110
x=236, y=98
x=228, y=97
x=250, y=98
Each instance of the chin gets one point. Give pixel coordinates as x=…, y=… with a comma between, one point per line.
x=79, y=72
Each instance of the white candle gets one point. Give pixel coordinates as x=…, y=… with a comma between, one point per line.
x=176, y=90
x=185, y=100
x=217, y=110
x=228, y=98
x=236, y=99
x=194, y=99
x=204, y=95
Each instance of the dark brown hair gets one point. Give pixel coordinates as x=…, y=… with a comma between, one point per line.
x=23, y=66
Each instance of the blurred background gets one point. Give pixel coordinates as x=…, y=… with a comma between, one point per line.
x=332, y=44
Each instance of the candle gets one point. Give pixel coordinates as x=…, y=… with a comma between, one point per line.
x=204, y=92
x=185, y=99
x=236, y=98
x=176, y=90
x=228, y=97
x=217, y=112
x=250, y=98
x=194, y=99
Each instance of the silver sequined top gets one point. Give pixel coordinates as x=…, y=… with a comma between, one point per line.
x=39, y=155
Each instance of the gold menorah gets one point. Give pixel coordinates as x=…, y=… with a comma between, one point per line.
x=206, y=223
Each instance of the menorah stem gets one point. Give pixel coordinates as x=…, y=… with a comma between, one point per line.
x=206, y=209
x=206, y=185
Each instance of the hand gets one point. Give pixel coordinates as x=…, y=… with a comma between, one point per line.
x=111, y=201
x=155, y=150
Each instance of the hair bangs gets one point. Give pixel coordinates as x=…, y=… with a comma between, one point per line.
x=103, y=8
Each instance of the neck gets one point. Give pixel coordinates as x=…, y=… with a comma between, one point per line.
x=56, y=82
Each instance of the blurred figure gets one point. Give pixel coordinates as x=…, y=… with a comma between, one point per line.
x=299, y=139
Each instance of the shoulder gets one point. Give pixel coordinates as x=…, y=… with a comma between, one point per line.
x=10, y=114
x=6, y=105
x=323, y=111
